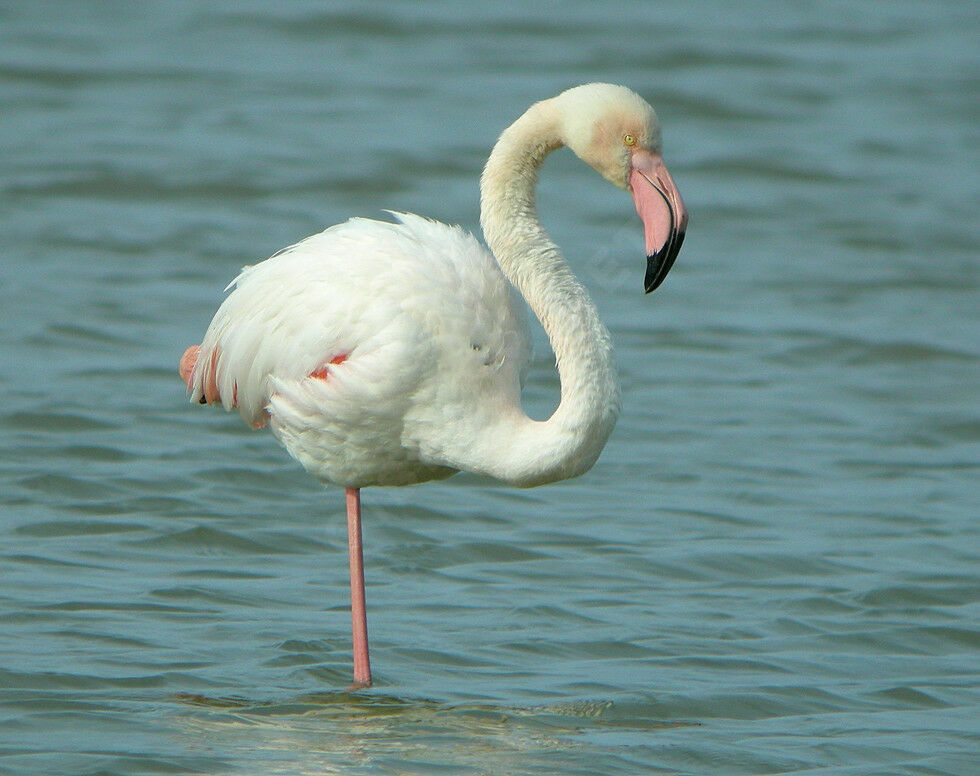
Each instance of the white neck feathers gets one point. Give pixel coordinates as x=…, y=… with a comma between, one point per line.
x=569, y=442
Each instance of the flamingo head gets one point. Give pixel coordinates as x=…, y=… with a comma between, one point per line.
x=616, y=132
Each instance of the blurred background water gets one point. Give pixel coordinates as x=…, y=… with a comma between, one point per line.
x=773, y=566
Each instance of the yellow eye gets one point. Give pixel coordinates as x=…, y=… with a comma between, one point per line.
x=629, y=140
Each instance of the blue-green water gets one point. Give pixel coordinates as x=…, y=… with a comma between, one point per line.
x=773, y=568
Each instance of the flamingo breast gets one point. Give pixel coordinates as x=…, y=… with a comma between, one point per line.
x=369, y=348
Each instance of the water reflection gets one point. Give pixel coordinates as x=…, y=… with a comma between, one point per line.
x=335, y=732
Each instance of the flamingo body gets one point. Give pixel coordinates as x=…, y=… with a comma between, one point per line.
x=432, y=337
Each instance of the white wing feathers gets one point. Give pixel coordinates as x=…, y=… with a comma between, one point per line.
x=424, y=323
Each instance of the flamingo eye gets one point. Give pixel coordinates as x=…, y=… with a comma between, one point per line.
x=629, y=140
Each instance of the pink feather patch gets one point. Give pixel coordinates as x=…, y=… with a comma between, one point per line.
x=323, y=372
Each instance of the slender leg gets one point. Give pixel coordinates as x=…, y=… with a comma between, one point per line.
x=358, y=607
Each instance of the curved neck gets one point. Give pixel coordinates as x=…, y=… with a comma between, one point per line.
x=569, y=442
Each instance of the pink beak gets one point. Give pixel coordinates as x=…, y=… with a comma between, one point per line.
x=662, y=211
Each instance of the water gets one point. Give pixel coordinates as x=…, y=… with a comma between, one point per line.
x=773, y=567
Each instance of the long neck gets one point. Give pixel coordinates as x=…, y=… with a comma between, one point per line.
x=568, y=443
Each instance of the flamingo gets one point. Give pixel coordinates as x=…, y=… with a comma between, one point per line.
x=392, y=353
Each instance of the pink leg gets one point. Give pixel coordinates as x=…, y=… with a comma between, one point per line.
x=358, y=607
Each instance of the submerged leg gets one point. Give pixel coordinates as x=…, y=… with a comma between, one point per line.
x=358, y=608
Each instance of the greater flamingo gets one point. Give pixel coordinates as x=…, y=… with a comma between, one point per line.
x=387, y=353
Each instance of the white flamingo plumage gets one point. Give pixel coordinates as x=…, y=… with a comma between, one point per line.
x=387, y=353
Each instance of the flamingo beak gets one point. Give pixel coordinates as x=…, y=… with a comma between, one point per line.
x=660, y=207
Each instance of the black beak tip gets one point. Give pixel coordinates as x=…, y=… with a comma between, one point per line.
x=659, y=264
x=650, y=282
